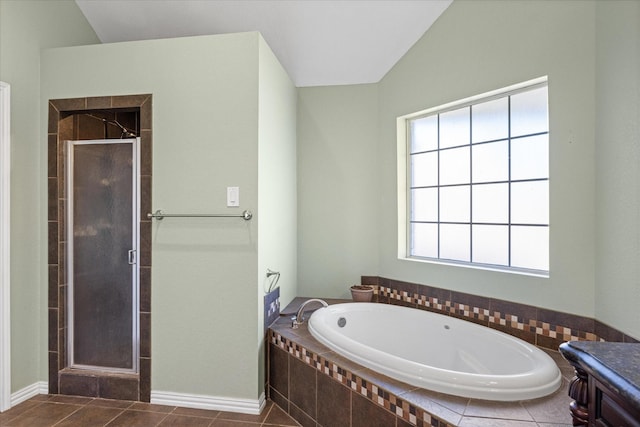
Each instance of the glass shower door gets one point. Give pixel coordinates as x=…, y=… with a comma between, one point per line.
x=103, y=241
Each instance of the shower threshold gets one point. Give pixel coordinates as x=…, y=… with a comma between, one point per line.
x=97, y=383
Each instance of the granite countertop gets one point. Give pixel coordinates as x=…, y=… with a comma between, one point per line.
x=616, y=364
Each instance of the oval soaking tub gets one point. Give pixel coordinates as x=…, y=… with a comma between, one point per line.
x=436, y=352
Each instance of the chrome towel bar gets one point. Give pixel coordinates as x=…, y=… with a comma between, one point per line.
x=159, y=215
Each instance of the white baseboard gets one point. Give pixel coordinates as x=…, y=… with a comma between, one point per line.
x=243, y=406
x=41, y=387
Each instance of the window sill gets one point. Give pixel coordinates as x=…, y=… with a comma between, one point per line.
x=486, y=267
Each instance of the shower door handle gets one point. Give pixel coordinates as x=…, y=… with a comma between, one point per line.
x=132, y=256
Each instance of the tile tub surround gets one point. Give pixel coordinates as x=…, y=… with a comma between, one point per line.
x=542, y=327
x=67, y=121
x=318, y=387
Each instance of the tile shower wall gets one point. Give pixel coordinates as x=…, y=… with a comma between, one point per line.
x=539, y=326
x=67, y=121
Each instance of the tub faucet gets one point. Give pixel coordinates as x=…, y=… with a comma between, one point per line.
x=298, y=319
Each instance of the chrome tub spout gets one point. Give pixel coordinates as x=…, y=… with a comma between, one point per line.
x=298, y=319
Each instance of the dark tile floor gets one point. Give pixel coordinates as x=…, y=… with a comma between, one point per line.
x=66, y=411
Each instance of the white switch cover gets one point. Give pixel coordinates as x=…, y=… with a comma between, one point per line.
x=233, y=196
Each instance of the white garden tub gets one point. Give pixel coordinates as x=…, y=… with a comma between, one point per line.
x=436, y=352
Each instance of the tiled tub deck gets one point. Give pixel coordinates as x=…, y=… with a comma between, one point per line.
x=318, y=387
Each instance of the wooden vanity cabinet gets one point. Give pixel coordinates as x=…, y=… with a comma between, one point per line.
x=606, y=388
x=609, y=410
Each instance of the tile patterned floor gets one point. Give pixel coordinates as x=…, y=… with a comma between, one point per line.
x=68, y=411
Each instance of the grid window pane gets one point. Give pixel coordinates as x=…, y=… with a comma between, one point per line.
x=491, y=203
x=530, y=157
x=454, y=242
x=530, y=247
x=491, y=244
x=454, y=204
x=455, y=166
x=490, y=120
x=424, y=240
x=424, y=134
x=529, y=112
x=424, y=169
x=454, y=128
x=530, y=202
x=424, y=204
x=491, y=162
x=479, y=180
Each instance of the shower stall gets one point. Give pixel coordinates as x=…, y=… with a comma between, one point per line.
x=99, y=176
x=102, y=244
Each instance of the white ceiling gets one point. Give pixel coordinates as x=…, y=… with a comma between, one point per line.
x=319, y=42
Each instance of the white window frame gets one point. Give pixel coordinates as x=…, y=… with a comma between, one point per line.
x=404, y=179
x=5, y=275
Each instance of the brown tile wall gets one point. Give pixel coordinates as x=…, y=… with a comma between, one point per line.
x=316, y=391
x=90, y=125
x=68, y=120
x=539, y=326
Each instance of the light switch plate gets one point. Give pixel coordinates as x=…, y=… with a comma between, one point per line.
x=233, y=196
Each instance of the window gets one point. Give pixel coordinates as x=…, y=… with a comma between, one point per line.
x=476, y=175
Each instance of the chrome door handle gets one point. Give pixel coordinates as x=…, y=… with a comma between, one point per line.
x=132, y=256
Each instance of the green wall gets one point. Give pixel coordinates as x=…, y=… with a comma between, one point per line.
x=214, y=127
x=338, y=188
x=618, y=165
x=478, y=46
x=27, y=27
x=224, y=115
x=276, y=185
x=589, y=51
x=205, y=298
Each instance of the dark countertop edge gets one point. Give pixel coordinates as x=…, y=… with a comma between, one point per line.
x=572, y=351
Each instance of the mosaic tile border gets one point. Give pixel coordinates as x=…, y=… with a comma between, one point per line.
x=400, y=408
x=542, y=327
x=509, y=320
